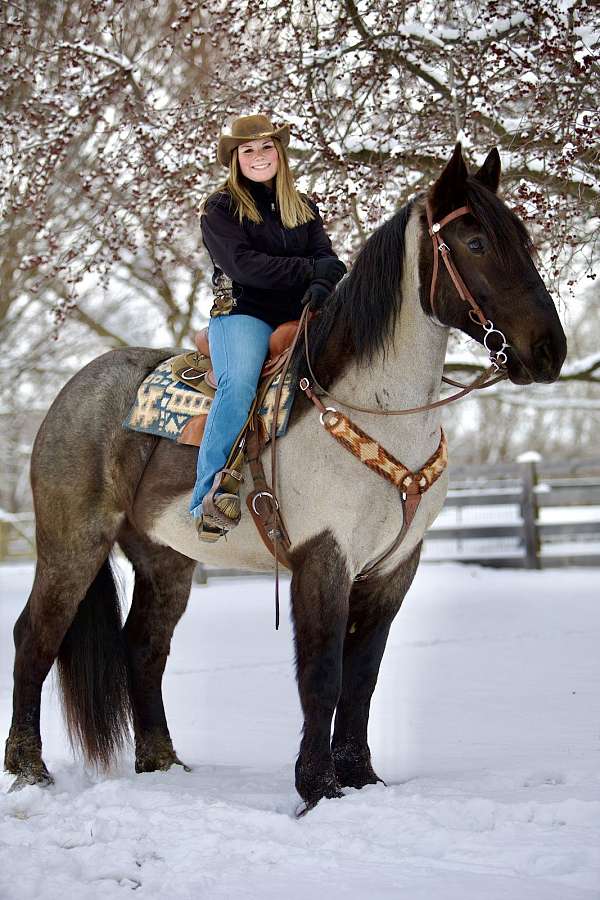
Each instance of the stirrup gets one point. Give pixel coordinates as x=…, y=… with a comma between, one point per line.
x=221, y=510
x=208, y=532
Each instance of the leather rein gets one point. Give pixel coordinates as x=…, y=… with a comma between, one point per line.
x=413, y=485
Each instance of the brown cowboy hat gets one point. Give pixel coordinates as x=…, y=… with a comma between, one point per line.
x=249, y=128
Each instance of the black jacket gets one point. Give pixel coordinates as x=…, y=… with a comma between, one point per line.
x=270, y=266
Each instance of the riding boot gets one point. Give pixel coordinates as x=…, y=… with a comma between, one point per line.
x=221, y=509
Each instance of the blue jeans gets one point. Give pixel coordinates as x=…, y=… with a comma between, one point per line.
x=238, y=348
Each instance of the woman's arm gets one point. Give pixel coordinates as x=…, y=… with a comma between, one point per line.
x=232, y=252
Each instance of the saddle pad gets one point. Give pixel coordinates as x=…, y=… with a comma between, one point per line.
x=169, y=408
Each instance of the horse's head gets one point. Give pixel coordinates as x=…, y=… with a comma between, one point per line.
x=491, y=250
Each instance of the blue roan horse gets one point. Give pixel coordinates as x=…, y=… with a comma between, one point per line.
x=95, y=484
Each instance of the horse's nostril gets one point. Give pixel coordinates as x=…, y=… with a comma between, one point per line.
x=542, y=354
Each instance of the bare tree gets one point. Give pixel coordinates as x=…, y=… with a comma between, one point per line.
x=110, y=113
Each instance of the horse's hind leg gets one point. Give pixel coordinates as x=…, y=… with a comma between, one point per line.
x=58, y=589
x=320, y=589
x=163, y=580
x=372, y=610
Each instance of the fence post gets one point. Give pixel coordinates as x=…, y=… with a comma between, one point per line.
x=200, y=575
x=529, y=508
x=4, y=526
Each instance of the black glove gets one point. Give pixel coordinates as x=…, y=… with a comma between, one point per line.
x=328, y=269
x=317, y=294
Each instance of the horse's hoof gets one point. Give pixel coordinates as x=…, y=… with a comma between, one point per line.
x=160, y=763
x=26, y=779
x=353, y=767
x=303, y=808
x=307, y=805
x=358, y=780
x=315, y=781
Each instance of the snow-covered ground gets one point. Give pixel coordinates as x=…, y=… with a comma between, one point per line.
x=485, y=726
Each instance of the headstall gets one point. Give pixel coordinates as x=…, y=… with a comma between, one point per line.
x=497, y=357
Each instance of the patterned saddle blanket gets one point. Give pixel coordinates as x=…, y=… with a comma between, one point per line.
x=168, y=407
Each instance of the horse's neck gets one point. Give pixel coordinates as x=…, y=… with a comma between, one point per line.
x=408, y=375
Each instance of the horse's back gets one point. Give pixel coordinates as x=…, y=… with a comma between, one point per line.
x=82, y=455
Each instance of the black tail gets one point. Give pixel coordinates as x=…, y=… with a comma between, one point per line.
x=93, y=677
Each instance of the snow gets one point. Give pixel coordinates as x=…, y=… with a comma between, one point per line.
x=529, y=456
x=485, y=726
x=115, y=59
x=443, y=35
x=580, y=366
x=499, y=28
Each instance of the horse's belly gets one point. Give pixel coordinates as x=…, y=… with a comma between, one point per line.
x=321, y=488
x=242, y=549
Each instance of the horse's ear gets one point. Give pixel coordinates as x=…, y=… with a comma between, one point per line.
x=489, y=174
x=448, y=192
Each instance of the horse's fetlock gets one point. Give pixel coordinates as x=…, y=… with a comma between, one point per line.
x=154, y=752
x=316, y=778
x=23, y=757
x=352, y=762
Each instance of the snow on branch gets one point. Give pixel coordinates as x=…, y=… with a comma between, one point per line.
x=443, y=35
x=586, y=369
x=583, y=369
x=115, y=59
x=555, y=404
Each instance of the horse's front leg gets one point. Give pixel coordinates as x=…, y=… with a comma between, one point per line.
x=372, y=608
x=319, y=592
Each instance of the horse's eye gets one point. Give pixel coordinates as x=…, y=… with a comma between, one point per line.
x=475, y=245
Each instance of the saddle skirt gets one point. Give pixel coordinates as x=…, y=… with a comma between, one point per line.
x=174, y=400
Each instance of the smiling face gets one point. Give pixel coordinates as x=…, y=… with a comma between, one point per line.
x=258, y=160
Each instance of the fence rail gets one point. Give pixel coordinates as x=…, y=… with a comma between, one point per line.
x=551, y=513
x=16, y=536
x=533, y=514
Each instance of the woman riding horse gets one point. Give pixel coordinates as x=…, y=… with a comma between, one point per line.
x=380, y=340
x=271, y=254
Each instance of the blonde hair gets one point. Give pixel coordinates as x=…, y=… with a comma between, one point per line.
x=293, y=207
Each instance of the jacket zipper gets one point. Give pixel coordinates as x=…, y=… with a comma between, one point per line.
x=280, y=228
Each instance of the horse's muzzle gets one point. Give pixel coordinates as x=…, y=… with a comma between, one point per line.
x=542, y=364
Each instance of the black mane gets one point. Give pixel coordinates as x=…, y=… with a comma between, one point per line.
x=365, y=305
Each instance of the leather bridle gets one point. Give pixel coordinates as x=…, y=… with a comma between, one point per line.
x=497, y=357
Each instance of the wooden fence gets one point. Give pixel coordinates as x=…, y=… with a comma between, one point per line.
x=535, y=515
x=16, y=536
x=532, y=514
